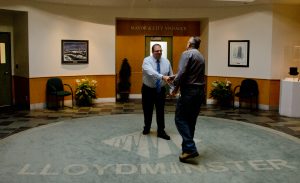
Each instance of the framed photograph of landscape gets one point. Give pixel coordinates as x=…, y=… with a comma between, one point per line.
x=238, y=53
x=74, y=51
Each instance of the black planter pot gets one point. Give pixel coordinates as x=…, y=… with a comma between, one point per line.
x=225, y=103
x=124, y=96
x=84, y=102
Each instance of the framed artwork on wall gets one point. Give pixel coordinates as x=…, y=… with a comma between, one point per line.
x=74, y=51
x=238, y=53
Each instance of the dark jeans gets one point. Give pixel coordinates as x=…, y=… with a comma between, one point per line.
x=150, y=98
x=187, y=111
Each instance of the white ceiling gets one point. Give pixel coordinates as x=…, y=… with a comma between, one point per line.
x=167, y=3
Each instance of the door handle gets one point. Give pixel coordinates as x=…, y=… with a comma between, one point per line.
x=6, y=73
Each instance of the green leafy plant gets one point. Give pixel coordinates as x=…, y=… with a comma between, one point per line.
x=85, y=92
x=221, y=91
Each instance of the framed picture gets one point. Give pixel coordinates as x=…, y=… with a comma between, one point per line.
x=238, y=53
x=74, y=51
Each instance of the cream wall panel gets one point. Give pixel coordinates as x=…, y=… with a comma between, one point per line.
x=254, y=26
x=49, y=24
x=45, y=34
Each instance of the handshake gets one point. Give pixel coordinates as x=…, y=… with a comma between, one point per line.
x=169, y=80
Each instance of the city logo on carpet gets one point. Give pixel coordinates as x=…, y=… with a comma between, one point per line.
x=148, y=146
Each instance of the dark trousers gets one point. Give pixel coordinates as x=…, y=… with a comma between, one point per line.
x=187, y=111
x=150, y=97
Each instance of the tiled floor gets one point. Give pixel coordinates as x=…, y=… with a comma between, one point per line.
x=13, y=121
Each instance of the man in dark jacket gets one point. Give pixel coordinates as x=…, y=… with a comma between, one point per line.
x=190, y=80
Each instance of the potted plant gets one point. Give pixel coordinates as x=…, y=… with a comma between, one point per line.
x=85, y=92
x=222, y=92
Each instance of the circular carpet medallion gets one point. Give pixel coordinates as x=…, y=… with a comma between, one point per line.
x=112, y=149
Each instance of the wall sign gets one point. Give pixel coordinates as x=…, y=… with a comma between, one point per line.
x=158, y=27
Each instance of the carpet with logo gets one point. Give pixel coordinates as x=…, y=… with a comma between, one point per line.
x=112, y=149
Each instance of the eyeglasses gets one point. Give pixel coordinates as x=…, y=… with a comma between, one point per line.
x=158, y=51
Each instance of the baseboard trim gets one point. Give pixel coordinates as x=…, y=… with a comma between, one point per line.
x=38, y=106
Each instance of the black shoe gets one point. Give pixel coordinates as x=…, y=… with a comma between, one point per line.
x=185, y=156
x=163, y=136
x=145, y=132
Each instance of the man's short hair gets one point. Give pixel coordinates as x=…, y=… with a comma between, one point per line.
x=195, y=42
x=155, y=45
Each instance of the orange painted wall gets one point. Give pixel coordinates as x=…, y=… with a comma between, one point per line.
x=274, y=93
x=133, y=48
x=105, y=87
x=130, y=44
x=268, y=89
x=179, y=45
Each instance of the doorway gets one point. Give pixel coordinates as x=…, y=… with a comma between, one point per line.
x=5, y=70
x=164, y=41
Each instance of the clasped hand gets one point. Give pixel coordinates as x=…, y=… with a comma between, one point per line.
x=170, y=80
